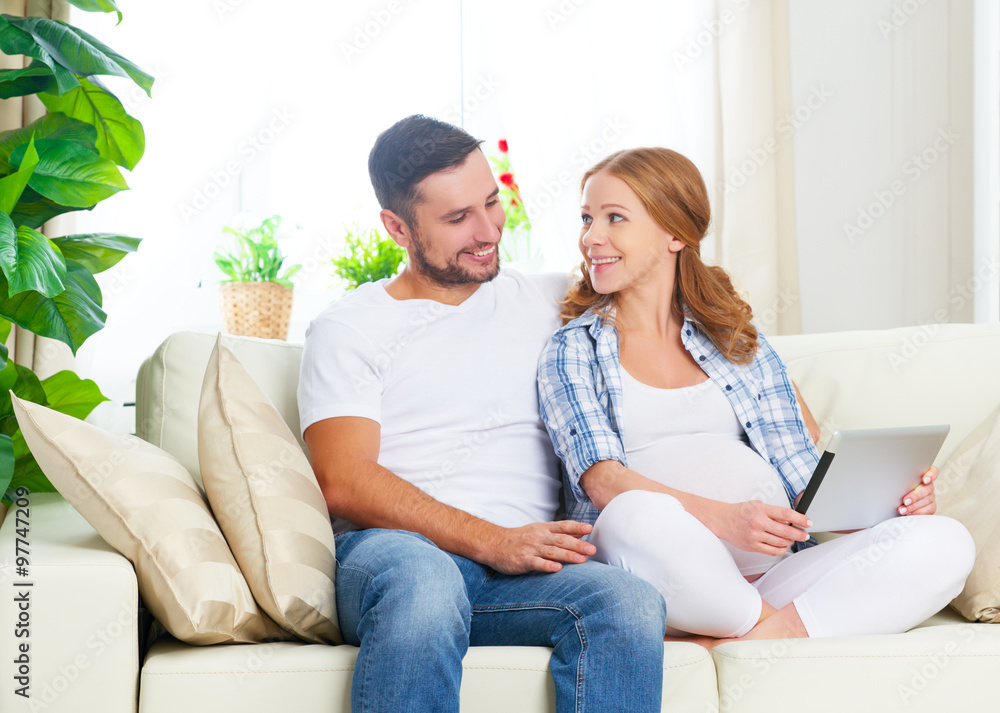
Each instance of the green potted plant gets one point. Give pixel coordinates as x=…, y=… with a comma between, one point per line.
x=368, y=257
x=67, y=160
x=256, y=300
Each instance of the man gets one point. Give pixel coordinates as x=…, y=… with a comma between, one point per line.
x=419, y=407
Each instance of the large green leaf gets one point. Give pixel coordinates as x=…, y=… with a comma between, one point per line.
x=34, y=78
x=81, y=53
x=25, y=384
x=8, y=377
x=71, y=174
x=12, y=186
x=8, y=231
x=97, y=6
x=27, y=473
x=50, y=126
x=70, y=317
x=32, y=262
x=5, y=328
x=34, y=209
x=96, y=251
x=28, y=386
x=68, y=393
x=15, y=41
x=64, y=392
x=120, y=138
x=6, y=462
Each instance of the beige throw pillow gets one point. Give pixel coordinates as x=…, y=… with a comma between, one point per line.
x=968, y=490
x=267, y=501
x=146, y=505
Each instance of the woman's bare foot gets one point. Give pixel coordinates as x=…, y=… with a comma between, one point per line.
x=781, y=623
x=707, y=641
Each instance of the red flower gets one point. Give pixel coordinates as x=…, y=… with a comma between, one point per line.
x=507, y=179
x=513, y=201
x=503, y=145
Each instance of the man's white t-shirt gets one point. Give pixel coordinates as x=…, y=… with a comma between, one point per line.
x=452, y=387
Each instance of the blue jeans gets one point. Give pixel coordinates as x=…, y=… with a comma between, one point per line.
x=414, y=610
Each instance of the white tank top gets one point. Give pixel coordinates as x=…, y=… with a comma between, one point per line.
x=690, y=439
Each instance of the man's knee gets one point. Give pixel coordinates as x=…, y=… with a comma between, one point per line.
x=642, y=604
x=631, y=606
x=405, y=584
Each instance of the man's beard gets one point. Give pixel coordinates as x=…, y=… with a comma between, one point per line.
x=452, y=273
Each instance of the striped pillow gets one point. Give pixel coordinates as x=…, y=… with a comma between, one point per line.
x=146, y=505
x=968, y=490
x=266, y=499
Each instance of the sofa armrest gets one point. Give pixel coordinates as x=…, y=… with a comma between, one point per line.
x=80, y=612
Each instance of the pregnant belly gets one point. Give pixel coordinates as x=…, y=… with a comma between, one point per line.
x=718, y=467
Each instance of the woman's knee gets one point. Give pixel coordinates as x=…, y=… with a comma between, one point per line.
x=930, y=548
x=635, y=518
x=654, y=537
x=641, y=501
x=950, y=541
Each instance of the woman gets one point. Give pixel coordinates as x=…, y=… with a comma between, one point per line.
x=684, y=445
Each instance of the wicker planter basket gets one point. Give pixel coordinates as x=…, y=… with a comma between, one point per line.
x=256, y=309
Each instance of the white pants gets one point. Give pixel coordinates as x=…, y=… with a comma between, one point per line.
x=882, y=580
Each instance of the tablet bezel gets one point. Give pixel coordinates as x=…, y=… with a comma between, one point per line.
x=863, y=474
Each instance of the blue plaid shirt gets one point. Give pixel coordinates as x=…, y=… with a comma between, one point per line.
x=580, y=398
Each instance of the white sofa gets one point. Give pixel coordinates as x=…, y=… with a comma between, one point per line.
x=84, y=630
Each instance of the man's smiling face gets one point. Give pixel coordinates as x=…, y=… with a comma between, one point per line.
x=458, y=224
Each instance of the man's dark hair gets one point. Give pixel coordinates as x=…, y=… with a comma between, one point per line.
x=409, y=151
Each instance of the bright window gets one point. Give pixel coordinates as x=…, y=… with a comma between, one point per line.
x=268, y=108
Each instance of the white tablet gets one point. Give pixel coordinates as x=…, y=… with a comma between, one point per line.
x=863, y=475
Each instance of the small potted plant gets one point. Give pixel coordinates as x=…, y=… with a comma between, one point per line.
x=256, y=300
x=368, y=257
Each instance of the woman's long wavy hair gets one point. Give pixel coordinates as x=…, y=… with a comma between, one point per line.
x=673, y=192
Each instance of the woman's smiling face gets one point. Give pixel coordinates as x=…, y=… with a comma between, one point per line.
x=622, y=245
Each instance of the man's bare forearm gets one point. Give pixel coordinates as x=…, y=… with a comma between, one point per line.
x=345, y=453
x=370, y=495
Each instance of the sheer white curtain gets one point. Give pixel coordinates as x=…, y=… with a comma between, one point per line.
x=755, y=192
x=577, y=82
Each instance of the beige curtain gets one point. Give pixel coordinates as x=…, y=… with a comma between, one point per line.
x=44, y=356
x=755, y=235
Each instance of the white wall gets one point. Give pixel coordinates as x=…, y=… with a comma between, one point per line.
x=883, y=172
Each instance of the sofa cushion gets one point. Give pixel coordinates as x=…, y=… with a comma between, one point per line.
x=267, y=501
x=930, y=669
x=495, y=679
x=968, y=490
x=148, y=507
x=168, y=388
x=885, y=378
